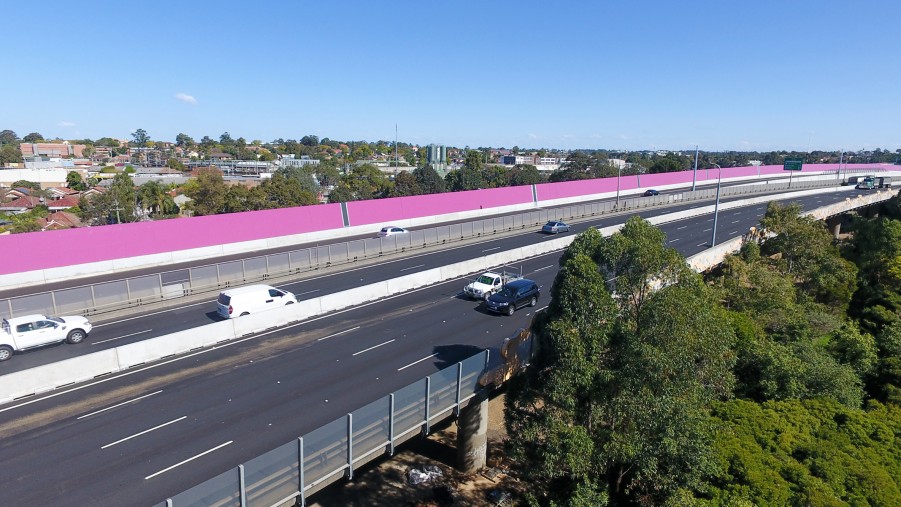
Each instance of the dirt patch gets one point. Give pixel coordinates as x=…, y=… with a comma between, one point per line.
x=387, y=482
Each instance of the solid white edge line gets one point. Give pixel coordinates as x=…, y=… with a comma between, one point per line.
x=417, y=362
x=336, y=334
x=118, y=405
x=542, y=269
x=151, y=476
x=145, y=431
x=490, y=249
x=120, y=337
x=373, y=347
x=413, y=267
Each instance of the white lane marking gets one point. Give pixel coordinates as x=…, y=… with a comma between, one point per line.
x=703, y=244
x=674, y=240
x=680, y=228
x=705, y=230
x=736, y=221
x=734, y=232
x=308, y=292
x=119, y=405
x=542, y=269
x=145, y=431
x=120, y=337
x=151, y=476
x=490, y=249
x=373, y=347
x=417, y=362
x=338, y=333
x=414, y=267
x=711, y=220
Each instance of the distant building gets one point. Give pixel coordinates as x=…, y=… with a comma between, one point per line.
x=436, y=156
x=53, y=150
x=290, y=161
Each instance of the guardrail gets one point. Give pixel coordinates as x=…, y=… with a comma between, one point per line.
x=301, y=467
x=132, y=292
x=304, y=466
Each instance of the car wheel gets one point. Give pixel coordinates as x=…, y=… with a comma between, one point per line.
x=485, y=296
x=534, y=301
x=243, y=314
x=75, y=336
x=5, y=352
x=511, y=309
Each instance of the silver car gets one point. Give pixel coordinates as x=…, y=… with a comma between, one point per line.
x=391, y=230
x=553, y=227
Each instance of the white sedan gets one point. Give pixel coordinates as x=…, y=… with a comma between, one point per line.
x=391, y=230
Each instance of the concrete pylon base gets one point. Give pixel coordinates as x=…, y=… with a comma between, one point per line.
x=472, y=435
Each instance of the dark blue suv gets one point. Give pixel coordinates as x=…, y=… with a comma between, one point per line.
x=515, y=294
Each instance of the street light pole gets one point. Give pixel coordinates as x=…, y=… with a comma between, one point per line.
x=716, y=207
x=694, y=179
x=619, y=173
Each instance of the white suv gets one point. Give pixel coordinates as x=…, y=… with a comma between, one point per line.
x=30, y=331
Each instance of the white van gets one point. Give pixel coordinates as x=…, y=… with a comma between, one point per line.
x=251, y=299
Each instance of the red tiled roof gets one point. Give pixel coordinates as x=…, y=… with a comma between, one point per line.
x=27, y=202
x=68, y=201
x=59, y=220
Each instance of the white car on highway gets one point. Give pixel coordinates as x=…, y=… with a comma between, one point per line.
x=30, y=331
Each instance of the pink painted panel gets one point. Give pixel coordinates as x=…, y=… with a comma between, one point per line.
x=660, y=179
x=68, y=247
x=384, y=211
x=564, y=189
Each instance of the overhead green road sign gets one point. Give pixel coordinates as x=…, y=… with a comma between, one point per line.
x=793, y=164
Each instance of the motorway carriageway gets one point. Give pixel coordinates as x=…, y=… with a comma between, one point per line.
x=125, y=330
x=139, y=437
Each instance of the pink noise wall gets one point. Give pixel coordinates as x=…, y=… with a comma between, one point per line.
x=383, y=211
x=67, y=247
x=49, y=249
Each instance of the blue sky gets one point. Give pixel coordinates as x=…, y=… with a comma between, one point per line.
x=760, y=75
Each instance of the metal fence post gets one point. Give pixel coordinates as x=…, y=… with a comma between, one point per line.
x=350, y=446
x=159, y=278
x=169, y=502
x=241, y=488
x=93, y=298
x=300, y=467
x=391, y=424
x=459, y=382
x=428, y=390
x=53, y=301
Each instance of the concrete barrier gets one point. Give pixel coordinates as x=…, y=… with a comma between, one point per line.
x=359, y=295
x=51, y=376
x=147, y=351
x=413, y=281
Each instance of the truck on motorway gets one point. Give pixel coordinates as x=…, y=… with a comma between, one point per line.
x=872, y=182
x=31, y=331
x=489, y=283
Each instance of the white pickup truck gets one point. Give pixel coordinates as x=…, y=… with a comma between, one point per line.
x=30, y=331
x=489, y=283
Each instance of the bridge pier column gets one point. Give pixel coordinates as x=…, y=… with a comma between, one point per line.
x=835, y=225
x=472, y=435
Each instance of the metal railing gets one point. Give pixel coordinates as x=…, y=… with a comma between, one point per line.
x=304, y=466
x=141, y=290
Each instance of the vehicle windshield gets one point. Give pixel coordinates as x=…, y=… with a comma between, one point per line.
x=487, y=280
x=56, y=319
